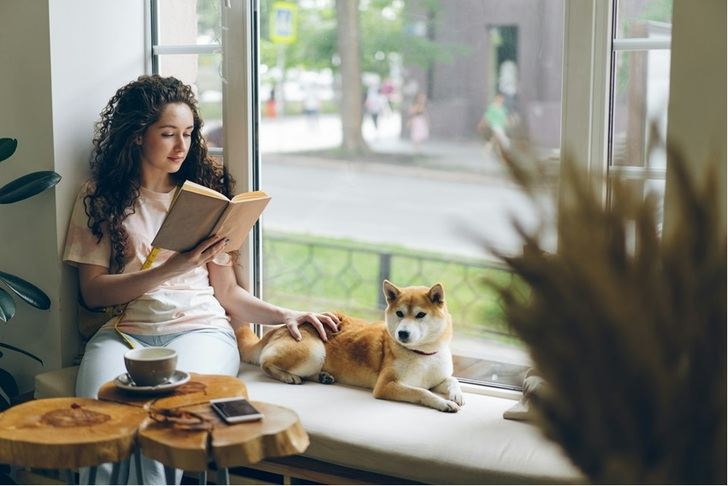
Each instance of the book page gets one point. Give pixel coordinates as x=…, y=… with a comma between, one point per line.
x=239, y=218
x=200, y=189
x=190, y=220
x=244, y=196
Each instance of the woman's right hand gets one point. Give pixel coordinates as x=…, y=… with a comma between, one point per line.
x=202, y=254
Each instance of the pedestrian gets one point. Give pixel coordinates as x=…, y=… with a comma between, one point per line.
x=496, y=119
x=418, y=121
x=271, y=110
x=147, y=143
x=375, y=105
x=311, y=106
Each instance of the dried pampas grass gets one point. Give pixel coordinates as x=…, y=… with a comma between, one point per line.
x=631, y=341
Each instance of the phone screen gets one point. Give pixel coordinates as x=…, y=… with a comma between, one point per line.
x=235, y=408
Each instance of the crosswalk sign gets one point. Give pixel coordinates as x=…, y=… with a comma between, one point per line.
x=284, y=23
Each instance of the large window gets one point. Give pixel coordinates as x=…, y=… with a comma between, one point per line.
x=372, y=146
x=640, y=78
x=379, y=125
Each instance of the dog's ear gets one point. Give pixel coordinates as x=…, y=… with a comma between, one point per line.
x=436, y=294
x=391, y=292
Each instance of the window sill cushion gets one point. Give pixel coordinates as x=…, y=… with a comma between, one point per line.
x=349, y=427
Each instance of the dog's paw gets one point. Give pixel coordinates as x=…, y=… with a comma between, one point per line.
x=291, y=379
x=326, y=378
x=457, y=397
x=447, y=406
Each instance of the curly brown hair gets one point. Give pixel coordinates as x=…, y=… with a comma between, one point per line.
x=116, y=158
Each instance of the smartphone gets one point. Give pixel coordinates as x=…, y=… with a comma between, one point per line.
x=235, y=410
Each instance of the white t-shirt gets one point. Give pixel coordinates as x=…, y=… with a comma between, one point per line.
x=183, y=303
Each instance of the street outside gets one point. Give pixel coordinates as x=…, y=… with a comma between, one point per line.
x=445, y=196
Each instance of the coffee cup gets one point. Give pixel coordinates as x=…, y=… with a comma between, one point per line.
x=150, y=366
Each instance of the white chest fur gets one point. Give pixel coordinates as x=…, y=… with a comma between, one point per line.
x=424, y=371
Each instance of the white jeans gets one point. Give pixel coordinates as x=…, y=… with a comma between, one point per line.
x=209, y=351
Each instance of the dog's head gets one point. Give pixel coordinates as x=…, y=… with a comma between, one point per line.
x=416, y=316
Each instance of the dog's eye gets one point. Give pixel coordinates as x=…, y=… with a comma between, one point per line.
x=420, y=315
x=400, y=314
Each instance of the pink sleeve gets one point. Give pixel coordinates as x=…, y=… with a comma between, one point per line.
x=81, y=245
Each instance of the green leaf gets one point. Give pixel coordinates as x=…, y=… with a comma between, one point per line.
x=7, y=306
x=26, y=291
x=8, y=384
x=7, y=147
x=18, y=350
x=28, y=186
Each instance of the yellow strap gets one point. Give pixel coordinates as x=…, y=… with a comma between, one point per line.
x=147, y=265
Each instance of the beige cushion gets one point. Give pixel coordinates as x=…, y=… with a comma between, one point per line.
x=349, y=427
x=476, y=445
x=57, y=383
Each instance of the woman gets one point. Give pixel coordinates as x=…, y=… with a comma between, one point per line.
x=418, y=121
x=147, y=143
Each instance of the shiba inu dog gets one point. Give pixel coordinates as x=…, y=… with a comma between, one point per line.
x=405, y=358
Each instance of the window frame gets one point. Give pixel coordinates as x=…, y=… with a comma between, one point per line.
x=590, y=50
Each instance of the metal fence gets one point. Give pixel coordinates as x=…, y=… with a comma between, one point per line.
x=303, y=272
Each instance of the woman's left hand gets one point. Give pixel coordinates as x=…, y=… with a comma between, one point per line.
x=294, y=319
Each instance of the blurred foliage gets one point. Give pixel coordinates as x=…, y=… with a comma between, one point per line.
x=628, y=328
x=387, y=30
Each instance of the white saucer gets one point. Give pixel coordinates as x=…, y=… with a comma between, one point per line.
x=178, y=378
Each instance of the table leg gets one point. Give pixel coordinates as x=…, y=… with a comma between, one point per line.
x=115, y=470
x=223, y=476
x=14, y=473
x=138, y=464
x=92, y=475
x=202, y=477
x=124, y=466
x=69, y=477
x=169, y=475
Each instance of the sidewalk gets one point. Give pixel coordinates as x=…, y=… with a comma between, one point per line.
x=300, y=138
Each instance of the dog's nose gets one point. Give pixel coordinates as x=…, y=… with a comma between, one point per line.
x=403, y=336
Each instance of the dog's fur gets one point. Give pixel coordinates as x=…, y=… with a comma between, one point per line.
x=401, y=359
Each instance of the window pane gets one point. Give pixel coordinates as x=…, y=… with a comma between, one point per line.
x=202, y=71
x=644, y=18
x=377, y=159
x=640, y=95
x=189, y=22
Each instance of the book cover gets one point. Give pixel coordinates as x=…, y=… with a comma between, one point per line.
x=198, y=212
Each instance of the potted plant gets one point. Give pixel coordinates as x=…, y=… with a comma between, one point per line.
x=627, y=326
x=21, y=188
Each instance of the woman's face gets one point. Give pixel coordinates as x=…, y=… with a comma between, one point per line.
x=166, y=142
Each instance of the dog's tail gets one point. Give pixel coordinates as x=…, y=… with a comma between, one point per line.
x=249, y=345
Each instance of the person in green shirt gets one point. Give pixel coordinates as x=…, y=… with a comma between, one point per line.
x=496, y=118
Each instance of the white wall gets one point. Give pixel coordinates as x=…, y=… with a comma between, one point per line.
x=28, y=241
x=61, y=62
x=697, y=107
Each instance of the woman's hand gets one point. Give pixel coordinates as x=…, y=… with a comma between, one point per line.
x=202, y=254
x=294, y=319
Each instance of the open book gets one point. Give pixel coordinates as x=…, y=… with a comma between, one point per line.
x=198, y=212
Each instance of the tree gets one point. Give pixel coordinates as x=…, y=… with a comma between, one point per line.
x=351, y=38
x=347, y=36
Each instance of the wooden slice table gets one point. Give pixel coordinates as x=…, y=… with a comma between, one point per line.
x=279, y=433
x=200, y=389
x=68, y=433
